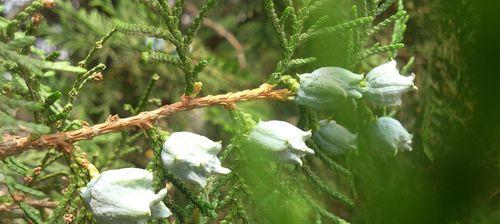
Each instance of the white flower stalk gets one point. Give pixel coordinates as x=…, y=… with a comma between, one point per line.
x=192, y=157
x=388, y=133
x=283, y=138
x=384, y=85
x=334, y=138
x=124, y=196
x=326, y=87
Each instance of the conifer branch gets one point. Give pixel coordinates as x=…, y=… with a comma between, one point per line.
x=386, y=22
x=329, y=30
x=384, y=6
x=376, y=49
x=97, y=45
x=13, y=145
x=314, y=178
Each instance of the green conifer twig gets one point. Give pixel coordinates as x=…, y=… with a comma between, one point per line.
x=383, y=24
x=317, y=181
x=97, y=45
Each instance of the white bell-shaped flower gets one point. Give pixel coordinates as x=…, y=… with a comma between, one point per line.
x=327, y=87
x=334, y=138
x=192, y=157
x=384, y=85
x=388, y=133
x=124, y=196
x=282, y=138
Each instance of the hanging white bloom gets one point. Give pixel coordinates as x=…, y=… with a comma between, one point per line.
x=282, y=138
x=192, y=157
x=334, y=138
x=124, y=196
x=384, y=85
x=327, y=87
x=388, y=133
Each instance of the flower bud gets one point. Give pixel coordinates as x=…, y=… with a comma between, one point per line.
x=124, y=196
x=334, y=138
x=192, y=157
x=326, y=87
x=282, y=138
x=388, y=133
x=384, y=85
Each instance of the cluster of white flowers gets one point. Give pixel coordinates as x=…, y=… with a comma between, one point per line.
x=326, y=88
x=126, y=195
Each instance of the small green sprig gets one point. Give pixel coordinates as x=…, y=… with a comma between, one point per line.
x=313, y=177
x=97, y=45
x=81, y=80
x=376, y=49
x=24, y=15
x=181, y=41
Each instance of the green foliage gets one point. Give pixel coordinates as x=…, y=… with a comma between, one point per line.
x=32, y=213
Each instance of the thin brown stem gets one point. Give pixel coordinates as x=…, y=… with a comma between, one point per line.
x=13, y=145
x=223, y=32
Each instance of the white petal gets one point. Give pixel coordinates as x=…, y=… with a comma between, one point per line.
x=301, y=146
x=282, y=130
x=215, y=149
x=322, y=85
x=287, y=156
x=334, y=138
x=159, y=210
x=221, y=170
x=183, y=142
x=388, y=68
x=385, y=85
x=391, y=80
x=354, y=93
x=306, y=135
x=266, y=138
x=198, y=178
x=338, y=73
x=319, y=103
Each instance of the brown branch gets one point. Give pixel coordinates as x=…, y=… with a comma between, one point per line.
x=44, y=203
x=13, y=211
x=16, y=144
